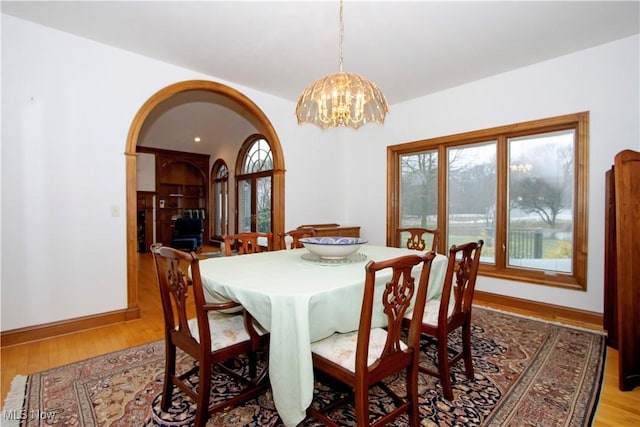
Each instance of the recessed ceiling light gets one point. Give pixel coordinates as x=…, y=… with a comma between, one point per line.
x=196, y=139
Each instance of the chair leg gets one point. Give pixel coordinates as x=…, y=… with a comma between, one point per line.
x=445, y=373
x=466, y=349
x=253, y=365
x=361, y=397
x=412, y=396
x=169, y=373
x=204, y=389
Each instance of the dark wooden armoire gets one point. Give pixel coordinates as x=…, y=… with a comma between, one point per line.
x=622, y=265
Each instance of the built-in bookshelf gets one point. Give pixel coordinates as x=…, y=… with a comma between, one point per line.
x=181, y=191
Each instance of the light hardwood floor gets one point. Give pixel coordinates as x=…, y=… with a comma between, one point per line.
x=616, y=408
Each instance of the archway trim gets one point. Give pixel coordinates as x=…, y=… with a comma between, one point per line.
x=259, y=119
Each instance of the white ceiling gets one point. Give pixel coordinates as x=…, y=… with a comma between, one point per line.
x=409, y=49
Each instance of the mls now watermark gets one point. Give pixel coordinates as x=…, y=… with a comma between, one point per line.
x=33, y=414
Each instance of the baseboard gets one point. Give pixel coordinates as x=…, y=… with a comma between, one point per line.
x=48, y=330
x=547, y=311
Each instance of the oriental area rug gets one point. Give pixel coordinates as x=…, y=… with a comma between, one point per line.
x=527, y=373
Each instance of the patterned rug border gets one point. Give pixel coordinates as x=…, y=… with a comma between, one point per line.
x=539, y=319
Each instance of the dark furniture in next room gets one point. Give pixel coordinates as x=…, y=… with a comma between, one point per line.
x=188, y=234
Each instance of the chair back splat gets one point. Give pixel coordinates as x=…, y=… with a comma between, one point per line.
x=247, y=243
x=416, y=238
x=462, y=272
x=443, y=316
x=364, y=358
x=295, y=236
x=211, y=338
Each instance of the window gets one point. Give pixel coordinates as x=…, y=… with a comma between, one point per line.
x=521, y=188
x=220, y=198
x=471, y=194
x=254, y=200
x=540, y=214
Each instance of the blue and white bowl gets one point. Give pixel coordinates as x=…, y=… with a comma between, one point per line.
x=332, y=247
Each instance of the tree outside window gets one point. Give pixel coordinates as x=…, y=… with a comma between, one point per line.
x=419, y=190
x=471, y=196
x=541, y=201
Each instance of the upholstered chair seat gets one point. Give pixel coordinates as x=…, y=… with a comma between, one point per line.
x=340, y=348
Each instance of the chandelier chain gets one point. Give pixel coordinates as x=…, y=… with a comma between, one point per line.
x=341, y=28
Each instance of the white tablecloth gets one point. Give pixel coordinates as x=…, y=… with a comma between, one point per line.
x=299, y=302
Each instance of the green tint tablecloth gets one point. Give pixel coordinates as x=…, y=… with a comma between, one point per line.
x=299, y=302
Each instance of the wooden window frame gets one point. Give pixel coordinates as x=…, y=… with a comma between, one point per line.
x=218, y=165
x=242, y=174
x=579, y=122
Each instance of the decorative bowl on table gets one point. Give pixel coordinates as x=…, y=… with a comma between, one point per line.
x=332, y=248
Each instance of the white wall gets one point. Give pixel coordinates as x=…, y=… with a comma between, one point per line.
x=68, y=103
x=603, y=80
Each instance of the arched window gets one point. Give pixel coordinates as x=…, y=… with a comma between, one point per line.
x=220, y=199
x=253, y=185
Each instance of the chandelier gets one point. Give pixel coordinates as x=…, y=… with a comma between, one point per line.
x=341, y=99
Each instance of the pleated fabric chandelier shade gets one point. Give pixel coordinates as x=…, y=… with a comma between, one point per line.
x=341, y=99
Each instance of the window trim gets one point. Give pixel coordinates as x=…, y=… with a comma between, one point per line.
x=577, y=121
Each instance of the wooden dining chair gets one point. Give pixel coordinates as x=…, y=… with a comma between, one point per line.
x=363, y=358
x=416, y=238
x=211, y=338
x=247, y=243
x=452, y=311
x=295, y=236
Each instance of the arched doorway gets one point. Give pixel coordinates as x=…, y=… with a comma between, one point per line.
x=254, y=113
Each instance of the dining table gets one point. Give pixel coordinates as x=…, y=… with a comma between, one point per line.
x=300, y=299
